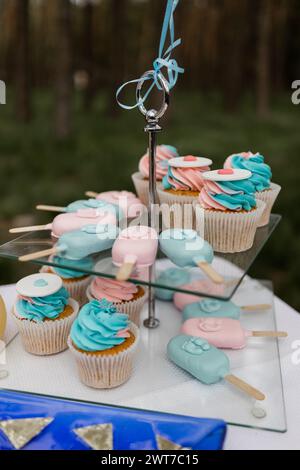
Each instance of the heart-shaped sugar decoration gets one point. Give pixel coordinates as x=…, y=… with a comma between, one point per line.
x=226, y=171
x=40, y=283
x=189, y=158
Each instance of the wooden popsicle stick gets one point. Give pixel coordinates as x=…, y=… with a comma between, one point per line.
x=269, y=334
x=210, y=272
x=42, y=207
x=125, y=271
x=39, y=254
x=239, y=383
x=252, y=308
x=91, y=194
x=33, y=228
x=3, y=317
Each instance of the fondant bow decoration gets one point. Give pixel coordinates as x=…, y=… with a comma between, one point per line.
x=162, y=62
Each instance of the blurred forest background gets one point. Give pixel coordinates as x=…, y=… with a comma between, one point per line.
x=62, y=133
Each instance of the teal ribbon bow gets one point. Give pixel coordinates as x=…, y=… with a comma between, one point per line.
x=163, y=61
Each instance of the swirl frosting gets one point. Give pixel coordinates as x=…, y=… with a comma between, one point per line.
x=261, y=172
x=38, y=309
x=228, y=195
x=86, y=264
x=163, y=154
x=184, y=179
x=112, y=290
x=99, y=327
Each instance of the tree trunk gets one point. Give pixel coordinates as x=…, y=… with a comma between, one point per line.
x=117, y=51
x=233, y=42
x=263, y=57
x=63, y=68
x=22, y=64
x=88, y=52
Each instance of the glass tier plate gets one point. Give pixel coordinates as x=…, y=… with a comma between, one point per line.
x=157, y=384
x=232, y=266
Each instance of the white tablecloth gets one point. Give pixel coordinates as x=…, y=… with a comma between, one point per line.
x=243, y=438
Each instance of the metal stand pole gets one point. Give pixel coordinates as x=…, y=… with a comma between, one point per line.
x=152, y=118
x=152, y=128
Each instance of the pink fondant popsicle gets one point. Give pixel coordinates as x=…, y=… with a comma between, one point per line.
x=136, y=247
x=224, y=333
x=128, y=202
x=68, y=222
x=181, y=299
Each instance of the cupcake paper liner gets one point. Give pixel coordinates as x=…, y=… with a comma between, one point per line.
x=75, y=287
x=230, y=232
x=141, y=187
x=48, y=337
x=180, y=212
x=132, y=308
x=269, y=197
x=106, y=371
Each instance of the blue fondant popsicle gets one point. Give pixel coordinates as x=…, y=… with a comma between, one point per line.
x=219, y=309
x=172, y=277
x=205, y=362
x=185, y=248
x=81, y=243
x=84, y=204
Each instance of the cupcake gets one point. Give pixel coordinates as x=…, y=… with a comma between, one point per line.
x=180, y=188
x=127, y=297
x=265, y=190
x=44, y=313
x=103, y=342
x=231, y=212
x=140, y=179
x=76, y=282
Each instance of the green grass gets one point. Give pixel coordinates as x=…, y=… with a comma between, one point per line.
x=102, y=153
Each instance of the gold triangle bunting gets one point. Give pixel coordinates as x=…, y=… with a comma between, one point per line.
x=21, y=431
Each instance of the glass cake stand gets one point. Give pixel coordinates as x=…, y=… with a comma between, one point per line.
x=233, y=267
x=156, y=383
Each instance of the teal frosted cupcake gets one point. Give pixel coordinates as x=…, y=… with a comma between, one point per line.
x=76, y=282
x=265, y=190
x=44, y=313
x=103, y=342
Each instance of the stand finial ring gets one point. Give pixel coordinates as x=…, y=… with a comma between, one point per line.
x=153, y=114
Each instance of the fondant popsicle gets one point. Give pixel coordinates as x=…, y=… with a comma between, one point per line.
x=81, y=243
x=128, y=202
x=218, y=308
x=205, y=362
x=186, y=248
x=206, y=286
x=224, y=333
x=136, y=247
x=68, y=222
x=172, y=277
x=83, y=204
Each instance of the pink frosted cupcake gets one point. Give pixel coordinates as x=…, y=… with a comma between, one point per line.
x=231, y=212
x=141, y=178
x=180, y=189
x=265, y=190
x=127, y=297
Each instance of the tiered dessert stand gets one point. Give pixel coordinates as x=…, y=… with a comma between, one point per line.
x=157, y=384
